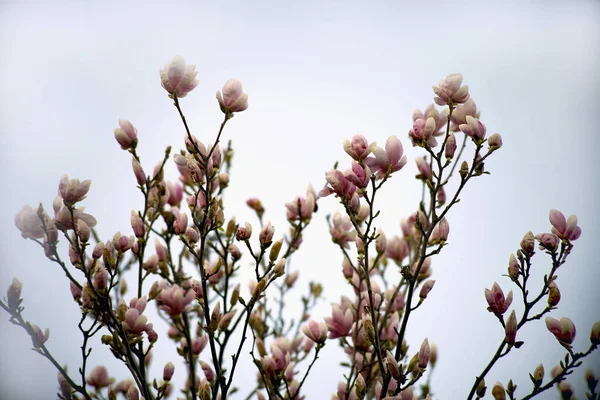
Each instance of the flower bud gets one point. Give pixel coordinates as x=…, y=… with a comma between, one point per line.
x=168, y=371
x=426, y=288
x=13, y=294
x=538, y=375
x=553, y=294
x=424, y=354
x=100, y=277
x=275, y=250
x=137, y=224
x=498, y=392
x=133, y=393
x=266, y=235
x=495, y=141
x=380, y=242
x=83, y=230
x=528, y=243
x=279, y=269
x=244, y=233
x=511, y=328
x=513, y=268
x=180, y=224
x=138, y=171
x=595, y=333
x=450, y=146
x=126, y=135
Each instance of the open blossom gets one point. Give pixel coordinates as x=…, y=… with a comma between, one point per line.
x=338, y=184
x=232, y=99
x=302, y=207
x=440, y=118
x=460, y=112
x=29, y=223
x=564, y=330
x=63, y=219
x=450, y=91
x=564, y=228
x=126, y=134
x=177, y=78
x=389, y=160
x=358, y=148
x=474, y=128
x=496, y=301
x=359, y=176
x=99, y=378
x=422, y=133
x=315, y=331
x=396, y=249
x=340, y=323
x=342, y=231
x=175, y=300
x=72, y=190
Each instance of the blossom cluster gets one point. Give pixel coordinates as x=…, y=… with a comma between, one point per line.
x=184, y=255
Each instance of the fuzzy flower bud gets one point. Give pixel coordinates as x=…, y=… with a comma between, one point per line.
x=13, y=294
x=424, y=354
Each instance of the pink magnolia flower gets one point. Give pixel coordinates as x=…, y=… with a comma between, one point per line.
x=566, y=229
x=175, y=300
x=396, y=249
x=29, y=223
x=302, y=207
x=135, y=323
x=137, y=224
x=340, y=323
x=496, y=301
x=338, y=184
x=422, y=133
x=450, y=91
x=440, y=118
x=177, y=78
x=440, y=232
x=342, y=231
x=71, y=190
x=63, y=219
x=265, y=236
x=181, y=223
x=461, y=111
x=126, y=134
x=233, y=98
x=359, y=176
x=389, y=160
x=548, y=241
x=358, y=148
x=99, y=378
x=473, y=128
x=315, y=331
x=244, y=232
x=563, y=330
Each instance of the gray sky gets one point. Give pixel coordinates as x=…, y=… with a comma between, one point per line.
x=316, y=74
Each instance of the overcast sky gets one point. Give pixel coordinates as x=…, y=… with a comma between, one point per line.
x=316, y=74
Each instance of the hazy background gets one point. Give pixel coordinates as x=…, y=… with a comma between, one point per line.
x=316, y=73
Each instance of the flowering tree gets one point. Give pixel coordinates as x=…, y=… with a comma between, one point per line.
x=193, y=275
